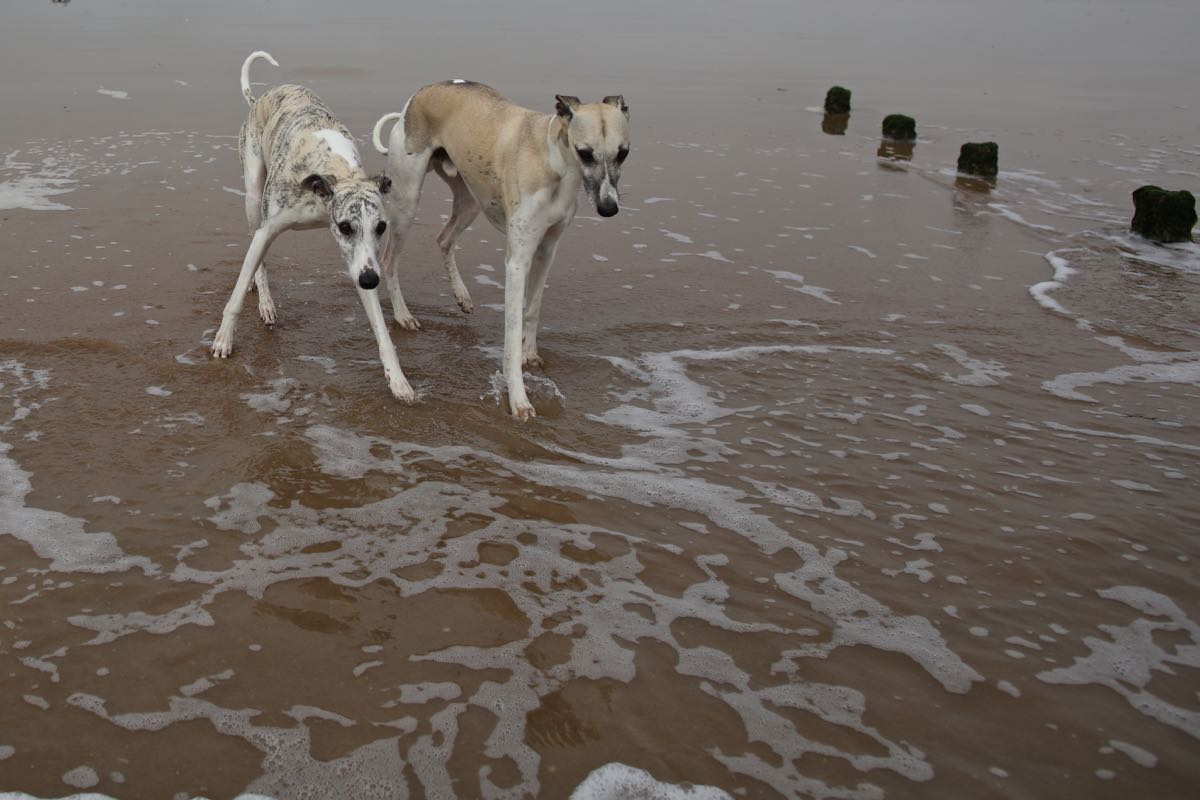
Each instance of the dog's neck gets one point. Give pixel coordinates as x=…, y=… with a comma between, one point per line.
x=558, y=149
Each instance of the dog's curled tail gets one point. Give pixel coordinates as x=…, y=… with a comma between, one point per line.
x=257, y=54
x=379, y=129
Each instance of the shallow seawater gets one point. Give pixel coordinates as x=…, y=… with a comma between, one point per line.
x=852, y=478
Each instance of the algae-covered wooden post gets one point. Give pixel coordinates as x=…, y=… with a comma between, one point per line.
x=837, y=100
x=1163, y=215
x=979, y=158
x=899, y=128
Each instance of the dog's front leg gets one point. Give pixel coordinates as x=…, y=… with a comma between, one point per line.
x=397, y=383
x=223, y=341
x=522, y=243
x=534, y=287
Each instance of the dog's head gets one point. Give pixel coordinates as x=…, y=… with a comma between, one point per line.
x=357, y=221
x=598, y=137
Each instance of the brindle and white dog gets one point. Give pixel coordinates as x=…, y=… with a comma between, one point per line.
x=303, y=171
x=523, y=170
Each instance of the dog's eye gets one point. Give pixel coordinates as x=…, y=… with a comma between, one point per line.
x=622, y=154
x=585, y=155
x=346, y=228
x=380, y=228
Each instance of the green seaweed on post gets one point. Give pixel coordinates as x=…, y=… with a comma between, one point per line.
x=979, y=158
x=900, y=128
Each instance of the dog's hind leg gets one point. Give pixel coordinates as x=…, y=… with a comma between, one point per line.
x=223, y=341
x=254, y=171
x=266, y=306
x=408, y=174
x=543, y=258
x=463, y=213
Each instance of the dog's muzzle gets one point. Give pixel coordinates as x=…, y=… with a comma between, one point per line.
x=368, y=279
x=607, y=200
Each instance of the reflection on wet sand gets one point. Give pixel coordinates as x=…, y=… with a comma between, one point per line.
x=971, y=184
x=835, y=124
x=892, y=151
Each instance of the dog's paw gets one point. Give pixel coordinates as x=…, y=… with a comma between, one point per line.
x=408, y=323
x=401, y=390
x=222, y=344
x=522, y=409
x=532, y=361
x=464, y=302
x=267, y=312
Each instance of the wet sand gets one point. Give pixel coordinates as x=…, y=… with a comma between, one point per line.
x=851, y=478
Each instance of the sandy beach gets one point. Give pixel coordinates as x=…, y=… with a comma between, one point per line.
x=851, y=477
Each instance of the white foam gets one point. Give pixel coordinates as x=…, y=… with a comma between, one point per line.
x=679, y=237
x=119, y=94
x=797, y=284
x=1134, y=486
x=1128, y=659
x=979, y=372
x=1150, y=440
x=274, y=401
x=421, y=693
x=1006, y=212
x=1062, y=271
x=857, y=618
x=1139, y=755
x=33, y=193
x=1068, y=385
x=1181, y=256
x=621, y=782
x=83, y=777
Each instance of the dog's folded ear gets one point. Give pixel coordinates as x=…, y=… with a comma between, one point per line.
x=383, y=182
x=566, y=105
x=318, y=185
x=618, y=101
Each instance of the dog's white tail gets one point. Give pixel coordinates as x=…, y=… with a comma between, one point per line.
x=257, y=54
x=379, y=128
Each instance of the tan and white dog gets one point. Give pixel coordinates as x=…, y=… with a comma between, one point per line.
x=303, y=171
x=523, y=170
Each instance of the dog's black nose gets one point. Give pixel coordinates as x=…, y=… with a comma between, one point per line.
x=368, y=279
x=607, y=208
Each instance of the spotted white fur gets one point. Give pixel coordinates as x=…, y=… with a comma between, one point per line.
x=302, y=171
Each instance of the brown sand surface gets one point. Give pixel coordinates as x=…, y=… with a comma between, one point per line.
x=851, y=477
